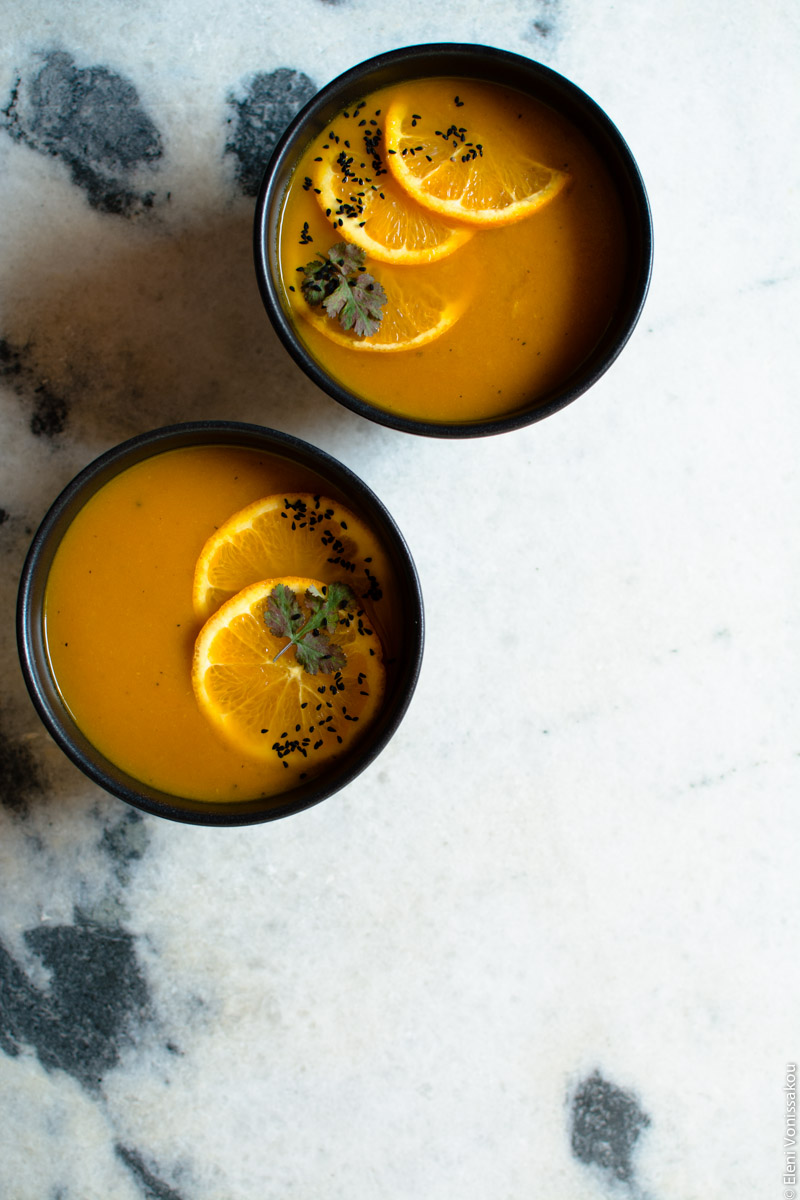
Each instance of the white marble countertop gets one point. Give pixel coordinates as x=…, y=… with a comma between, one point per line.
x=541, y=948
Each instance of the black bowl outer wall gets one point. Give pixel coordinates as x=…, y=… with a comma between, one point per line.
x=33, y=652
x=493, y=66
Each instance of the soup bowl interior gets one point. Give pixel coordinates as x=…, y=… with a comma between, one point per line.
x=493, y=66
x=402, y=672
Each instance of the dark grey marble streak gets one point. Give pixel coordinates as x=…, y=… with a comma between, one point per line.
x=546, y=27
x=152, y=1188
x=97, y=1002
x=93, y=121
x=606, y=1123
x=97, y=997
x=49, y=409
x=257, y=120
x=20, y=776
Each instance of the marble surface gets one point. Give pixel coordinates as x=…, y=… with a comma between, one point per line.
x=545, y=946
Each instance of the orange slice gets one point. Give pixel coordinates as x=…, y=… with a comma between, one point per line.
x=300, y=533
x=461, y=162
x=415, y=314
x=366, y=206
x=387, y=224
x=250, y=684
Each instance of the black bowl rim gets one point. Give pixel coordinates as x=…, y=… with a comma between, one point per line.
x=420, y=54
x=28, y=618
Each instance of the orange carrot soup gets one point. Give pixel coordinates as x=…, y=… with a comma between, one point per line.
x=451, y=249
x=166, y=550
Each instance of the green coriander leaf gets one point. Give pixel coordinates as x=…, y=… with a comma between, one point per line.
x=347, y=257
x=320, y=278
x=282, y=613
x=346, y=290
x=316, y=652
x=308, y=623
x=358, y=304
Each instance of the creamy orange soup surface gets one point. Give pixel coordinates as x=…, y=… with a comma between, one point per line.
x=119, y=622
x=541, y=291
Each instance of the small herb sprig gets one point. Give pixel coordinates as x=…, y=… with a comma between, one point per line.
x=308, y=623
x=340, y=282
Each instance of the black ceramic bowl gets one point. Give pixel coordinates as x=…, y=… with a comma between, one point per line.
x=402, y=674
x=494, y=66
